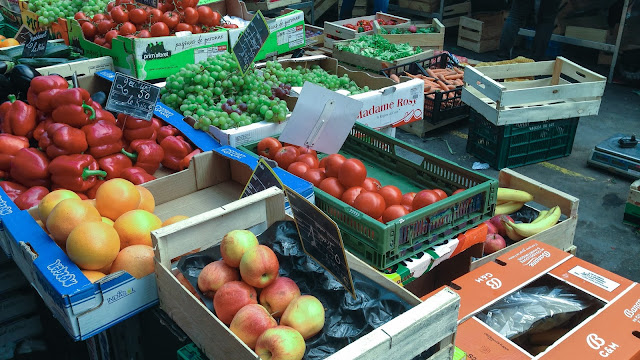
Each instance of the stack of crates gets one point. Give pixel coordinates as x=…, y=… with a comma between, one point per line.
x=632, y=208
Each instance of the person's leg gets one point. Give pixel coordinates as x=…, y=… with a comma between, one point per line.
x=380, y=5
x=346, y=9
x=544, y=27
x=520, y=11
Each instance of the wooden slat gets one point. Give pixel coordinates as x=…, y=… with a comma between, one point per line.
x=552, y=93
x=517, y=70
x=579, y=73
x=470, y=23
x=483, y=83
x=471, y=35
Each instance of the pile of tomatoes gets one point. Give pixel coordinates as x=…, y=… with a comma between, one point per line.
x=133, y=20
x=367, y=25
x=346, y=179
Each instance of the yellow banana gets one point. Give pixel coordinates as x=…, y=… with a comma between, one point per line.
x=505, y=194
x=541, y=216
x=511, y=233
x=530, y=229
x=508, y=208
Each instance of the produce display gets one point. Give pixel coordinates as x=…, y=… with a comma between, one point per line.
x=49, y=11
x=377, y=47
x=438, y=80
x=367, y=25
x=62, y=138
x=412, y=29
x=55, y=54
x=346, y=179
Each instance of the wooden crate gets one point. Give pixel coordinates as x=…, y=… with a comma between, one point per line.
x=481, y=33
x=451, y=14
x=634, y=193
x=317, y=40
x=428, y=6
x=426, y=324
x=269, y=5
x=564, y=90
x=375, y=64
x=434, y=41
x=586, y=33
x=337, y=29
x=560, y=235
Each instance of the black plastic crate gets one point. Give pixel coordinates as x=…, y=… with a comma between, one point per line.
x=509, y=146
x=438, y=105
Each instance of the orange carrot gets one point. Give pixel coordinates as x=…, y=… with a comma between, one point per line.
x=394, y=77
x=459, y=71
x=431, y=73
x=442, y=85
x=454, y=77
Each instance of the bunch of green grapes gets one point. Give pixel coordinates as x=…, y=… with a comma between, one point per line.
x=214, y=93
x=49, y=11
x=315, y=74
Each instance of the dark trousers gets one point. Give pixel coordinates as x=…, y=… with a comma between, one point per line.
x=347, y=7
x=520, y=12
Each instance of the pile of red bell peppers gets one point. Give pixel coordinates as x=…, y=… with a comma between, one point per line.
x=62, y=139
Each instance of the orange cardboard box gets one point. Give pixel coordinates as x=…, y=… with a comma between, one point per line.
x=610, y=329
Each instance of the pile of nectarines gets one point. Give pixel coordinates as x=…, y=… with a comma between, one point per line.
x=232, y=282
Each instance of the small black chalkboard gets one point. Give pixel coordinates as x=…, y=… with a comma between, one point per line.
x=37, y=44
x=152, y=3
x=263, y=177
x=132, y=97
x=23, y=35
x=250, y=42
x=320, y=238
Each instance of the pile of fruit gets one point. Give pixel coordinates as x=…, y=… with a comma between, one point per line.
x=63, y=139
x=502, y=226
x=232, y=283
x=377, y=47
x=367, y=25
x=49, y=11
x=105, y=235
x=346, y=179
x=6, y=42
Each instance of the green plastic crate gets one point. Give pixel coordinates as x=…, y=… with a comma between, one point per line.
x=7, y=30
x=509, y=146
x=190, y=352
x=411, y=169
x=632, y=215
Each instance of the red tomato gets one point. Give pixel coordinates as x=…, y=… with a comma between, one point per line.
x=391, y=194
x=197, y=29
x=144, y=33
x=333, y=163
x=216, y=18
x=104, y=26
x=184, y=27
x=79, y=16
x=350, y=195
x=170, y=18
x=310, y=159
x=166, y=6
x=111, y=5
x=191, y=16
x=110, y=35
x=159, y=29
x=138, y=16
x=314, y=176
x=286, y=156
x=458, y=191
x=205, y=15
x=119, y=14
x=99, y=40
x=97, y=17
x=441, y=194
x=393, y=212
x=229, y=26
x=304, y=150
x=127, y=28
x=370, y=203
x=332, y=187
x=352, y=173
x=298, y=168
x=407, y=200
x=90, y=30
x=154, y=15
x=371, y=184
x=424, y=198
x=268, y=147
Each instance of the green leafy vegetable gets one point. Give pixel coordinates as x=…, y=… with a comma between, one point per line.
x=377, y=47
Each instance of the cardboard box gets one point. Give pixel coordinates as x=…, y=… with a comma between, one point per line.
x=430, y=321
x=560, y=235
x=336, y=30
x=432, y=41
x=608, y=329
x=267, y=5
x=213, y=179
x=58, y=29
x=386, y=104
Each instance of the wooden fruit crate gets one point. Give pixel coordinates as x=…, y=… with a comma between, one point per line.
x=434, y=41
x=376, y=64
x=451, y=14
x=339, y=31
x=560, y=235
x=428, y=323
x=563, y=90
x=481, y=32
x=269, y=5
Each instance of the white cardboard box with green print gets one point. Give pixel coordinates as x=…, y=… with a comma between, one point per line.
x=152, y=58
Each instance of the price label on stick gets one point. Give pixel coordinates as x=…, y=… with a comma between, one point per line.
x=250, y=42
x=132, y=97
x=263, y=177
x=37, y=44
x=321, y=238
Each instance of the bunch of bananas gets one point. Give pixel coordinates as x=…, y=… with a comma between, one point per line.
x=510, y=201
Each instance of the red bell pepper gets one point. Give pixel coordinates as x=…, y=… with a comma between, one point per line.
x=76, y=172
x=9, y=146
x=135, y=129
x=184, y=163
x=62, y=139
x=30, y=167
x=41, y=128
x=165, y=131
x=147, y=154
x=104, y=138
x=102, y=114
x=41, y=84
x=136, y=175
x=12, y=189
x=19, y=119
x=31, y=197
x=72, y=108
x=175, y=149
x=91, y=193
x=114, y=164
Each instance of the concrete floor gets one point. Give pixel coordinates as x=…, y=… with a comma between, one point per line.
x=601, y=237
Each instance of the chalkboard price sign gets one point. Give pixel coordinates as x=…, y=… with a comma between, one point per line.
x=320, y=238
x=263, y=177
x=250, y=42
x=132, y=97
x=23, y=35
x=37, y=44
